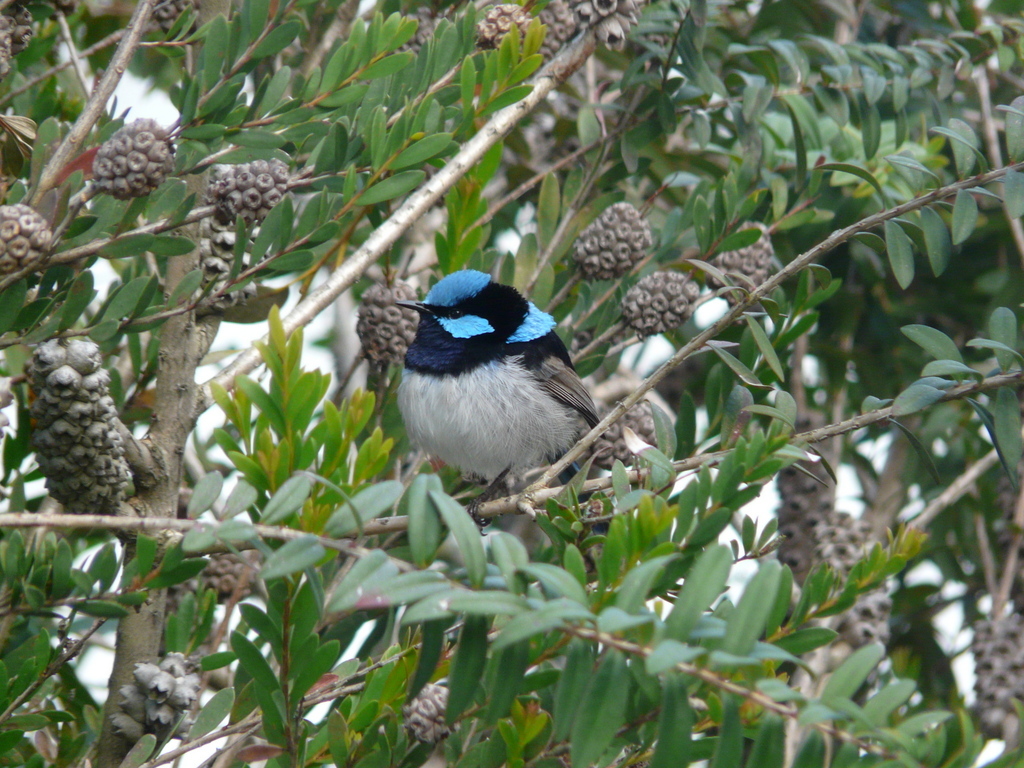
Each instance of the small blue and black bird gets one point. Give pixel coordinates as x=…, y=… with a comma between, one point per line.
x=488, y=385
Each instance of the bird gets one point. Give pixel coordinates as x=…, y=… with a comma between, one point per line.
x=488, y=386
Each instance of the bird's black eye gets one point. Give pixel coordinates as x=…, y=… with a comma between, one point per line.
x=456, y=313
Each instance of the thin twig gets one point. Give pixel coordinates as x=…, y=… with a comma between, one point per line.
x=995, y=154
x=955, y=490
x=73, y=55
x=988, y=563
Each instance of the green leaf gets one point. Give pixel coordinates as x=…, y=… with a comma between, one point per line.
x=1015, y=129
x=937, y=241
x=965, y=216
x=188, y=285
x=242, y=497
x=675, y=725
x=467, y=666
x=916, y=397
x=421, y=150
x=79, y=296
x=845, y=681
x=125, y=300
x=1013, y=193
x=212, y=713
x=1008, y=426
x=764, y=345
x=964, y=144
x=466, y=534
x=252, y=661
x=548, y=208
x=805, y=640
x=392, y=187
x=288, y=500
x=1002, y=327
x=919, y=448
x=104, y=609
x=601, y=712
x=745, y=625
x=933, y=341
x=702, y=587
x=880, y=707
x=729, y=749
x=277, y=40
x=853, y=170
x=294, y=556
x=901, y=253
x=205, y=494
x=387, y=66
x=140, y=752
x=769, y=745
x=375, y=567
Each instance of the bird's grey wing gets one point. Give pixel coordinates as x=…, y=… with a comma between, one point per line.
x=564, y=384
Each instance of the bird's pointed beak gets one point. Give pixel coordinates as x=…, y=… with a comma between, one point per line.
x=419, y=306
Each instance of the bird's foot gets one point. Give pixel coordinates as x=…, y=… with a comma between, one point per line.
x=490, y=492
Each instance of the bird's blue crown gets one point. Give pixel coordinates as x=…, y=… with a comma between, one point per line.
x=470, y=289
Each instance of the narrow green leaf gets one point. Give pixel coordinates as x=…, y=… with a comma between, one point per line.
x=745, y=625
x=422, y=150
x=1013, y=193
x=140, y=752
x=392, y=187
x=805, y=640
x=675, y=725
x=915, y=398
x=242, y=497
x=79, y=296
x=466, y=534
x=602, y=710
x=700, y=590
x=548, y=206
x=764, y=345
x=277, y=40
x=901, y=253
x=933, y=341
x=293, y=556
x=288, y=500
x=1015, y=130
x=851, y=674
x=729, y=749
x=918, y=446
x=205, y=494
x=853, y=170
x=965, y=216
x=1002, y=327
x=252, y=661
x=388, y=66
x=1008, y=425
x=467, y=666
x=212, y=713
x=937, y=241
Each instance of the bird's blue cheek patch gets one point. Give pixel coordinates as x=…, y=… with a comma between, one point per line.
x=535, y=325
x=465, y=327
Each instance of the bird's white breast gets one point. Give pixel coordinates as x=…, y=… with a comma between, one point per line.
x=487, y=420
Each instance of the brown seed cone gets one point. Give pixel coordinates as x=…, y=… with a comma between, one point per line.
x=76, y=434
x=660, y=302
x=498, y=21
x=999, y=668
x=868, y=620
x=134, y=161
x=611, y=19
x=755, y=262
x=561, y=24
x=612, y=244
x=805, y=508
x=25, y=238
x=386, y=330
x=612, y=444
x=223, y=574
x=424, y=715
x=248, y=190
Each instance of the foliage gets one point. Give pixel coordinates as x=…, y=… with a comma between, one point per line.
x=637, y=617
